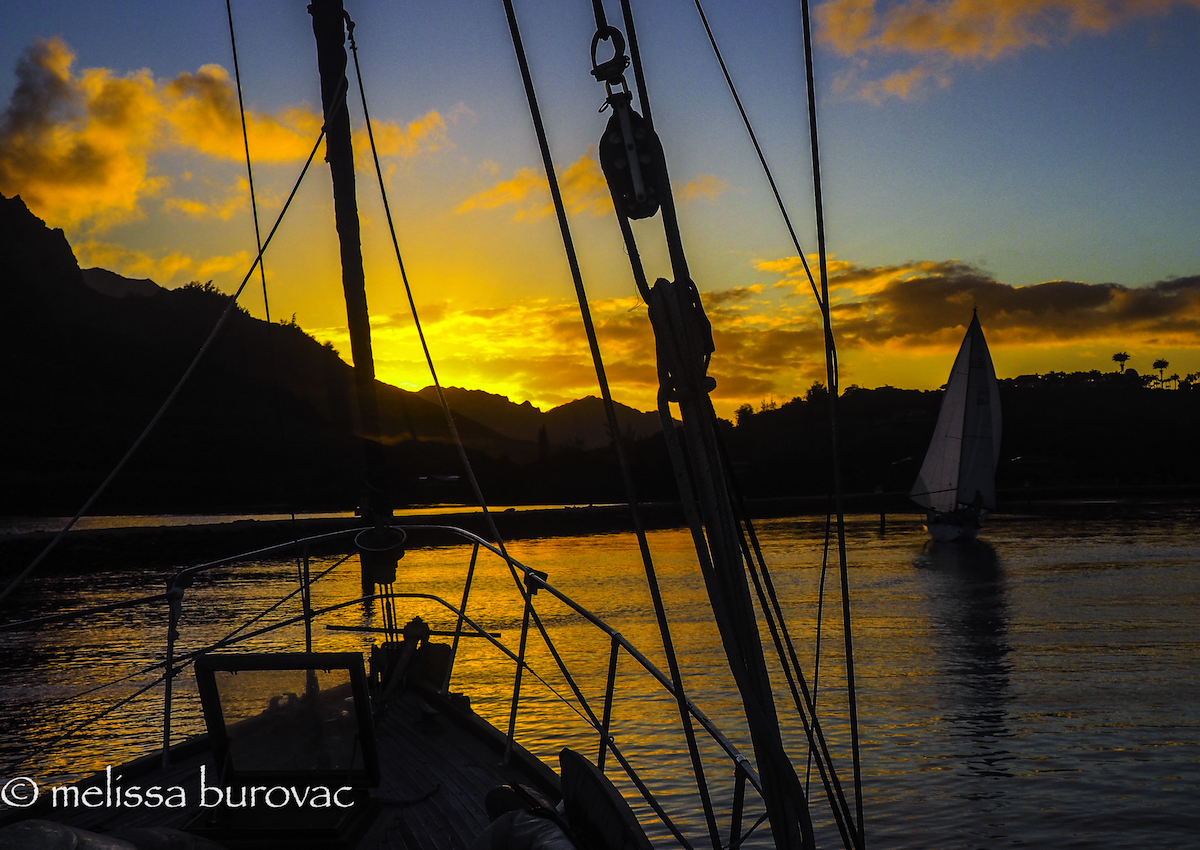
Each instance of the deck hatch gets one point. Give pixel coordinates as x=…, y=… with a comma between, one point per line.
x=289, y=717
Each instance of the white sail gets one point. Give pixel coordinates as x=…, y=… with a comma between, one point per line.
x=960, y=466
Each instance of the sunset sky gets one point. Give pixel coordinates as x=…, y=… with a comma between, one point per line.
x=1036, y=159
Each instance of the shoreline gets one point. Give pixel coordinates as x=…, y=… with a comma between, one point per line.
x=175, y=546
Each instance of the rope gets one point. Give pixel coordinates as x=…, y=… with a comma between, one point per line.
x=461, y=449
x=679, y=266
x=220, y=323
x=793, y=671
x=598, y=11
x=758, y=150
x=280, y=422
x=710, y=514
x=610, y=411
x=831, y=369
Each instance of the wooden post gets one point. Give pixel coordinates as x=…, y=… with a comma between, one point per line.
x=330, y=31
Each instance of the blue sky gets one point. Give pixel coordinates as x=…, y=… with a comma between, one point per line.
x=971, y=153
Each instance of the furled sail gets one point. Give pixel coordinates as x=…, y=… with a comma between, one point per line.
x=960, y=466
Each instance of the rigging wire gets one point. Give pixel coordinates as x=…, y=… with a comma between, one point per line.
x=719, y=511
x=522, y=587
x=280, y=422
x=820, y=621
x=831, y=369
x=83, y=724
x=787, y=220
x=237, y=77
x=412, y=304
x=610, y=411
x=673, y=239
x=822, y=299
x=789, y=660
x=153, y=423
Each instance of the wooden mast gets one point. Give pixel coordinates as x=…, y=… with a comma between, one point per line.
x=329, y=27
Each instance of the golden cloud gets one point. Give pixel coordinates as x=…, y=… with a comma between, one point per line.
x=201, y=113
x=769, y=344
x=536, y=350
x=76, y=148
x=425, y=135
x=706, y=187
x=582, y=183
x=944, y=32
x=79, y=148
x=236, y=199
x=162, y=269
x=526, y=184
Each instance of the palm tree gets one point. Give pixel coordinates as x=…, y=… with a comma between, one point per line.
x=1120, y=357
x=1160, y=365
x=1174, y=378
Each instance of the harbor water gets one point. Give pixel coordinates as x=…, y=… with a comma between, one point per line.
x=1037, y=688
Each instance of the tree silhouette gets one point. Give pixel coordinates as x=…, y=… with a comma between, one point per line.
x=1120, y=357
x=1161, y=366
x=1174, y=378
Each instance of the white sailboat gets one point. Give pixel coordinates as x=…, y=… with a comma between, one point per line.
x=957, y=482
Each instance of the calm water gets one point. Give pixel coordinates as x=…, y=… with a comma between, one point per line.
x=1036, y=690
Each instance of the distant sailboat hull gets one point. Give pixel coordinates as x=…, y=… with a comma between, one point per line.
x=957, y=482
x=957, y=525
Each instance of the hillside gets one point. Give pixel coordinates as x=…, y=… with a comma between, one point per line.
x=1071, y=433
x=579, y=424
x=266, y=419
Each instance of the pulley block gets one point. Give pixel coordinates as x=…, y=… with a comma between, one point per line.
x=631, y=158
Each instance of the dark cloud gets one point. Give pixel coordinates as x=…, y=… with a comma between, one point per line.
x=42, y=92
x=1061, y=310
x=738, y=293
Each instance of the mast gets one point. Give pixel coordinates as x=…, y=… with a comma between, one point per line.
x=329, y=28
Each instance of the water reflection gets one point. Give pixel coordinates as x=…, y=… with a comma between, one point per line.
x=969, y=614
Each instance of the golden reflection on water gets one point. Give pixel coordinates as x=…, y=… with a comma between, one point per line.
x=602, y=573
x=991, y=680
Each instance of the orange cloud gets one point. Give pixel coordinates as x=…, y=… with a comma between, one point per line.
x=584, y=190
x=928, y=302
x=535, y=350
x=201, y=113
x=892, y=323
x=425, y=135
x=706, y=187
x=79, y=147
x=525, y=186
x=236, y=199
x=941, y=33
x=76, y=148
x=162, y=269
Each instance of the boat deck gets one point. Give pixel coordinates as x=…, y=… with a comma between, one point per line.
x=437, y=761
x=435, y=775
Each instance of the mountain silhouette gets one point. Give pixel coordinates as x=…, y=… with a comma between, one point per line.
x=580, y=424
x=268, y=417
x=116, y=286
